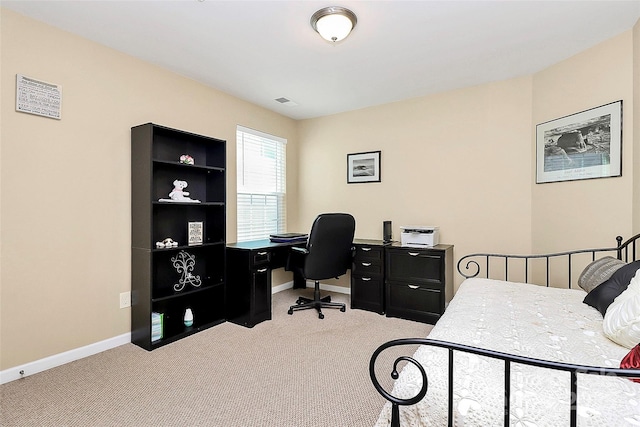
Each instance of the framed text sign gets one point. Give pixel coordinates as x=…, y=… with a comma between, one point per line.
x=38, y=97
x=196, y=233
x=583, y=145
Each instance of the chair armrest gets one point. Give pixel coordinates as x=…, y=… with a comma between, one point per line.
x=299, y=249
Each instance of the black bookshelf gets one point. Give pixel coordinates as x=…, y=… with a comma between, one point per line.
x=170, y=280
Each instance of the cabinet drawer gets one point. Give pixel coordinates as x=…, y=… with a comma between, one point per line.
x=415, y=265
x=366, y=267
x=415, y=302
x=369, y=252
x=259, y=258
x=367, y=293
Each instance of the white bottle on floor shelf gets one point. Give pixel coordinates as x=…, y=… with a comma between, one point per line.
x=188, y=317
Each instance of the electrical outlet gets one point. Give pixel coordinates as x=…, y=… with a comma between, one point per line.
x=125, y=299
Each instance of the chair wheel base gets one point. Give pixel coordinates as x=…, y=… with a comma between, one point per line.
x=317, y=302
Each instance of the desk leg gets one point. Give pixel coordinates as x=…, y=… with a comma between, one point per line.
x=299, y=281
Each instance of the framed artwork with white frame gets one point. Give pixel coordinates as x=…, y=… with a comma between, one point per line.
x=583, y=145
x=363, y=167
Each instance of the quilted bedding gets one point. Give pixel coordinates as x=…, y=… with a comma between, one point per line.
x=529, y=320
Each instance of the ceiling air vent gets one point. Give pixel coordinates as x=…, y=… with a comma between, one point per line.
x=286, y=101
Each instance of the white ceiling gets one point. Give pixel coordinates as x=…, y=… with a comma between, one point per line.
x=263, y=50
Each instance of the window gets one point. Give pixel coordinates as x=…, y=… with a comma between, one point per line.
x=261, y=161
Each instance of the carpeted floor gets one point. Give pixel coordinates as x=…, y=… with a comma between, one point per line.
x=296, y=371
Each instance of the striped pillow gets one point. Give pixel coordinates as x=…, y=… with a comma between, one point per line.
x=598, y=272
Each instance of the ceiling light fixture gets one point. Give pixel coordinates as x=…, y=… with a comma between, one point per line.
x=334, y=23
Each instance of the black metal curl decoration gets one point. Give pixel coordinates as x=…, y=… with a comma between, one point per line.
x=467, y=267
x=395, y=401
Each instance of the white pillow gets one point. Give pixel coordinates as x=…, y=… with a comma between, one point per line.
x=621, y=322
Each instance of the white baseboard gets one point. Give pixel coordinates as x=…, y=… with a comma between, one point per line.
x=283, y=287
x=323, y=286
x=31, y=368
x=334, y=288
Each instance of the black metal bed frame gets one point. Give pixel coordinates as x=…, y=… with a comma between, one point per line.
x=625, y=251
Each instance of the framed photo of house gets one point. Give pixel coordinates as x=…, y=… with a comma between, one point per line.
x=363, y=167
x=583, y=145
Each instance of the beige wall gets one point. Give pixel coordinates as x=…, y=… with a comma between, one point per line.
x=587, y=213
x=463, y=160
x=459, y=160
x=65, y=184
x=636, y=128
x=2, y=91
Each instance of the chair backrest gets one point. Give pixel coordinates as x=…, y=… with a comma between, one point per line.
x=330, y=246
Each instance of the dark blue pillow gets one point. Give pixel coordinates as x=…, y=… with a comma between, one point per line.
x=603, y=295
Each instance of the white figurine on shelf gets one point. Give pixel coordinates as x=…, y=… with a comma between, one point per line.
x=186, y=159
x=167, y=243
x=178, y=194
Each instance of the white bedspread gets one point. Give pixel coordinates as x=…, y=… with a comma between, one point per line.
x=529, y=320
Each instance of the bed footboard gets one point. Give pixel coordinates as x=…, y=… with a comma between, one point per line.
x=508, y=359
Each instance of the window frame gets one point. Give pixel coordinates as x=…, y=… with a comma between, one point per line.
x=254, y=149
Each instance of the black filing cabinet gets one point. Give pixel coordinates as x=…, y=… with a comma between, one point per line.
x=367, y=276
x=419, y=282
x=249, y=290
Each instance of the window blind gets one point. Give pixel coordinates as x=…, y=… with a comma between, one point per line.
x=261, y=175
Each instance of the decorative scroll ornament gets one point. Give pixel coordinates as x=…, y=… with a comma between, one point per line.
x=184, y=264
x=396, y=401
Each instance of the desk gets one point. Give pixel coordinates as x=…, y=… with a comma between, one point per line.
x=249, y=266
x=403, y=282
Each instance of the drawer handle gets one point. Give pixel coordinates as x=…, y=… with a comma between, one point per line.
x=366, y=249
x=366, y=264
x=414, y=253
x=262, y=270
x=413, y=286
x=366, y=279
x=262, y=253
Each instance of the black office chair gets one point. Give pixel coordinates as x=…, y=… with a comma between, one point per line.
x=328, y=254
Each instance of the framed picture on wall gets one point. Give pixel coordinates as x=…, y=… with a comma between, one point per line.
x=583, y=145
x=363, y=167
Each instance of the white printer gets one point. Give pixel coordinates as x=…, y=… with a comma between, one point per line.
x=419, y=236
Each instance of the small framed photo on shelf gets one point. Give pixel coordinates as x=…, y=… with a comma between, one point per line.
x=195, y=233
x=363, y=167
x=582, y=145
